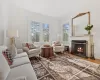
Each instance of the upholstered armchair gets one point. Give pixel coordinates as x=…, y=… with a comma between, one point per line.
x=58, y=47
x=31, y=49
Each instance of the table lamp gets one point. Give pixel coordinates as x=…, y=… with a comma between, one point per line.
x=12, y=34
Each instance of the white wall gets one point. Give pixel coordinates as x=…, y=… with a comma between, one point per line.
x=21, y=19
x=3, y=20
x=1, y=28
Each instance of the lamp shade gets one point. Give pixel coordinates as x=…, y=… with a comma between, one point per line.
x=12, y=33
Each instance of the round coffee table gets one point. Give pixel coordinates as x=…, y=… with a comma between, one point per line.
x=47, y=52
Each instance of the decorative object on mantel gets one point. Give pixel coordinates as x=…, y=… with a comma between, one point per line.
x=88, y=28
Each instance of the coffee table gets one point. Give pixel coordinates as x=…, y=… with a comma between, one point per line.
x=47, y=52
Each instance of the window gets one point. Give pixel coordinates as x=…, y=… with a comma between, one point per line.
x=35, y=31
x=65, y=32
x=46, y=32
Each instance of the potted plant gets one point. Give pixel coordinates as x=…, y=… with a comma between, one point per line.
x=88, y=28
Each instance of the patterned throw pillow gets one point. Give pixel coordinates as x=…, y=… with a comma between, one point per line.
x=8, y=57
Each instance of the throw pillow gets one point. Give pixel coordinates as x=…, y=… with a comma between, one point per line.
x=8, y=57
x=27, y=45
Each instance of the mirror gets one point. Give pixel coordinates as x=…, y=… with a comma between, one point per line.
x=79, y=22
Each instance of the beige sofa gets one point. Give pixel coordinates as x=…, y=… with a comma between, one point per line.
x=21, y=69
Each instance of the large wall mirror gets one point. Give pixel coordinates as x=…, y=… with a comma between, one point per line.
x=79, y=22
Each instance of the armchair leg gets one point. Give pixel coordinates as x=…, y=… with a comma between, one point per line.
x=39, y=57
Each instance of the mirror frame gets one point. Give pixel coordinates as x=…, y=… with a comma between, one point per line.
x=79, y=15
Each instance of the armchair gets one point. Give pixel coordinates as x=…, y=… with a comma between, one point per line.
x=58, y=47
x=31, y=49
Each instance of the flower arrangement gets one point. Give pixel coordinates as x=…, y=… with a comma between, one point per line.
x=88, y=28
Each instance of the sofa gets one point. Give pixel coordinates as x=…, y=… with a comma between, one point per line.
x=21, y=68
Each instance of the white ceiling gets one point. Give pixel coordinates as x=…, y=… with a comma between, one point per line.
x=56, y=8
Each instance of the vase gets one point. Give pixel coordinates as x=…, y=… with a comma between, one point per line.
x=89, y=32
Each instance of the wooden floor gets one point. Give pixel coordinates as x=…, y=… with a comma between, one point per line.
x=91, y=60
x=95, y=61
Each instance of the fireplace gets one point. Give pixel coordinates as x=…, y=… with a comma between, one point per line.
x=79, y=48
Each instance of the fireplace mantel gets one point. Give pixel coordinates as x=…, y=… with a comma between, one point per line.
x=89, y=39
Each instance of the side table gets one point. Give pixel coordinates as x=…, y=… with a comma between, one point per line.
x=47, y=52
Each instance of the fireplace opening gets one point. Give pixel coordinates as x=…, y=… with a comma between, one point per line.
x=78, y=47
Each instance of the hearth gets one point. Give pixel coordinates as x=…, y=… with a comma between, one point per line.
x=79, y=48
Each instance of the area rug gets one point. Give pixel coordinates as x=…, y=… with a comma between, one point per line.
x=65, y=67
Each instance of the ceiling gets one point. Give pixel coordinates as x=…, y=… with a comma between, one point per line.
x=56, y=8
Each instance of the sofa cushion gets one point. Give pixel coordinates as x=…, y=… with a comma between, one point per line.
x=20, y=61
x=32, y=51
x=24, y=54
x=4, y=68
x=23, y=70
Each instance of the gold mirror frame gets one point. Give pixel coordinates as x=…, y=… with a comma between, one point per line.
x=79, y=15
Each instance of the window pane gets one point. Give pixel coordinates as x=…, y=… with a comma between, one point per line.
x=65, y=32
x=35, y=31
x=46, y=32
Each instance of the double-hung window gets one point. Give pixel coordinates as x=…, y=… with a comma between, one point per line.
x=65, y=33
x=46, y=32
x=35, y=31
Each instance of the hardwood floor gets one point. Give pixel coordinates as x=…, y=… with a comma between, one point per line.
x=88, y=59
x=95, y=61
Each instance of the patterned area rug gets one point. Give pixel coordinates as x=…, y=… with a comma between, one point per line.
x=65, y=67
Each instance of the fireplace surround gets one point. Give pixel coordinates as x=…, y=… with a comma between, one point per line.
x=79, y=48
